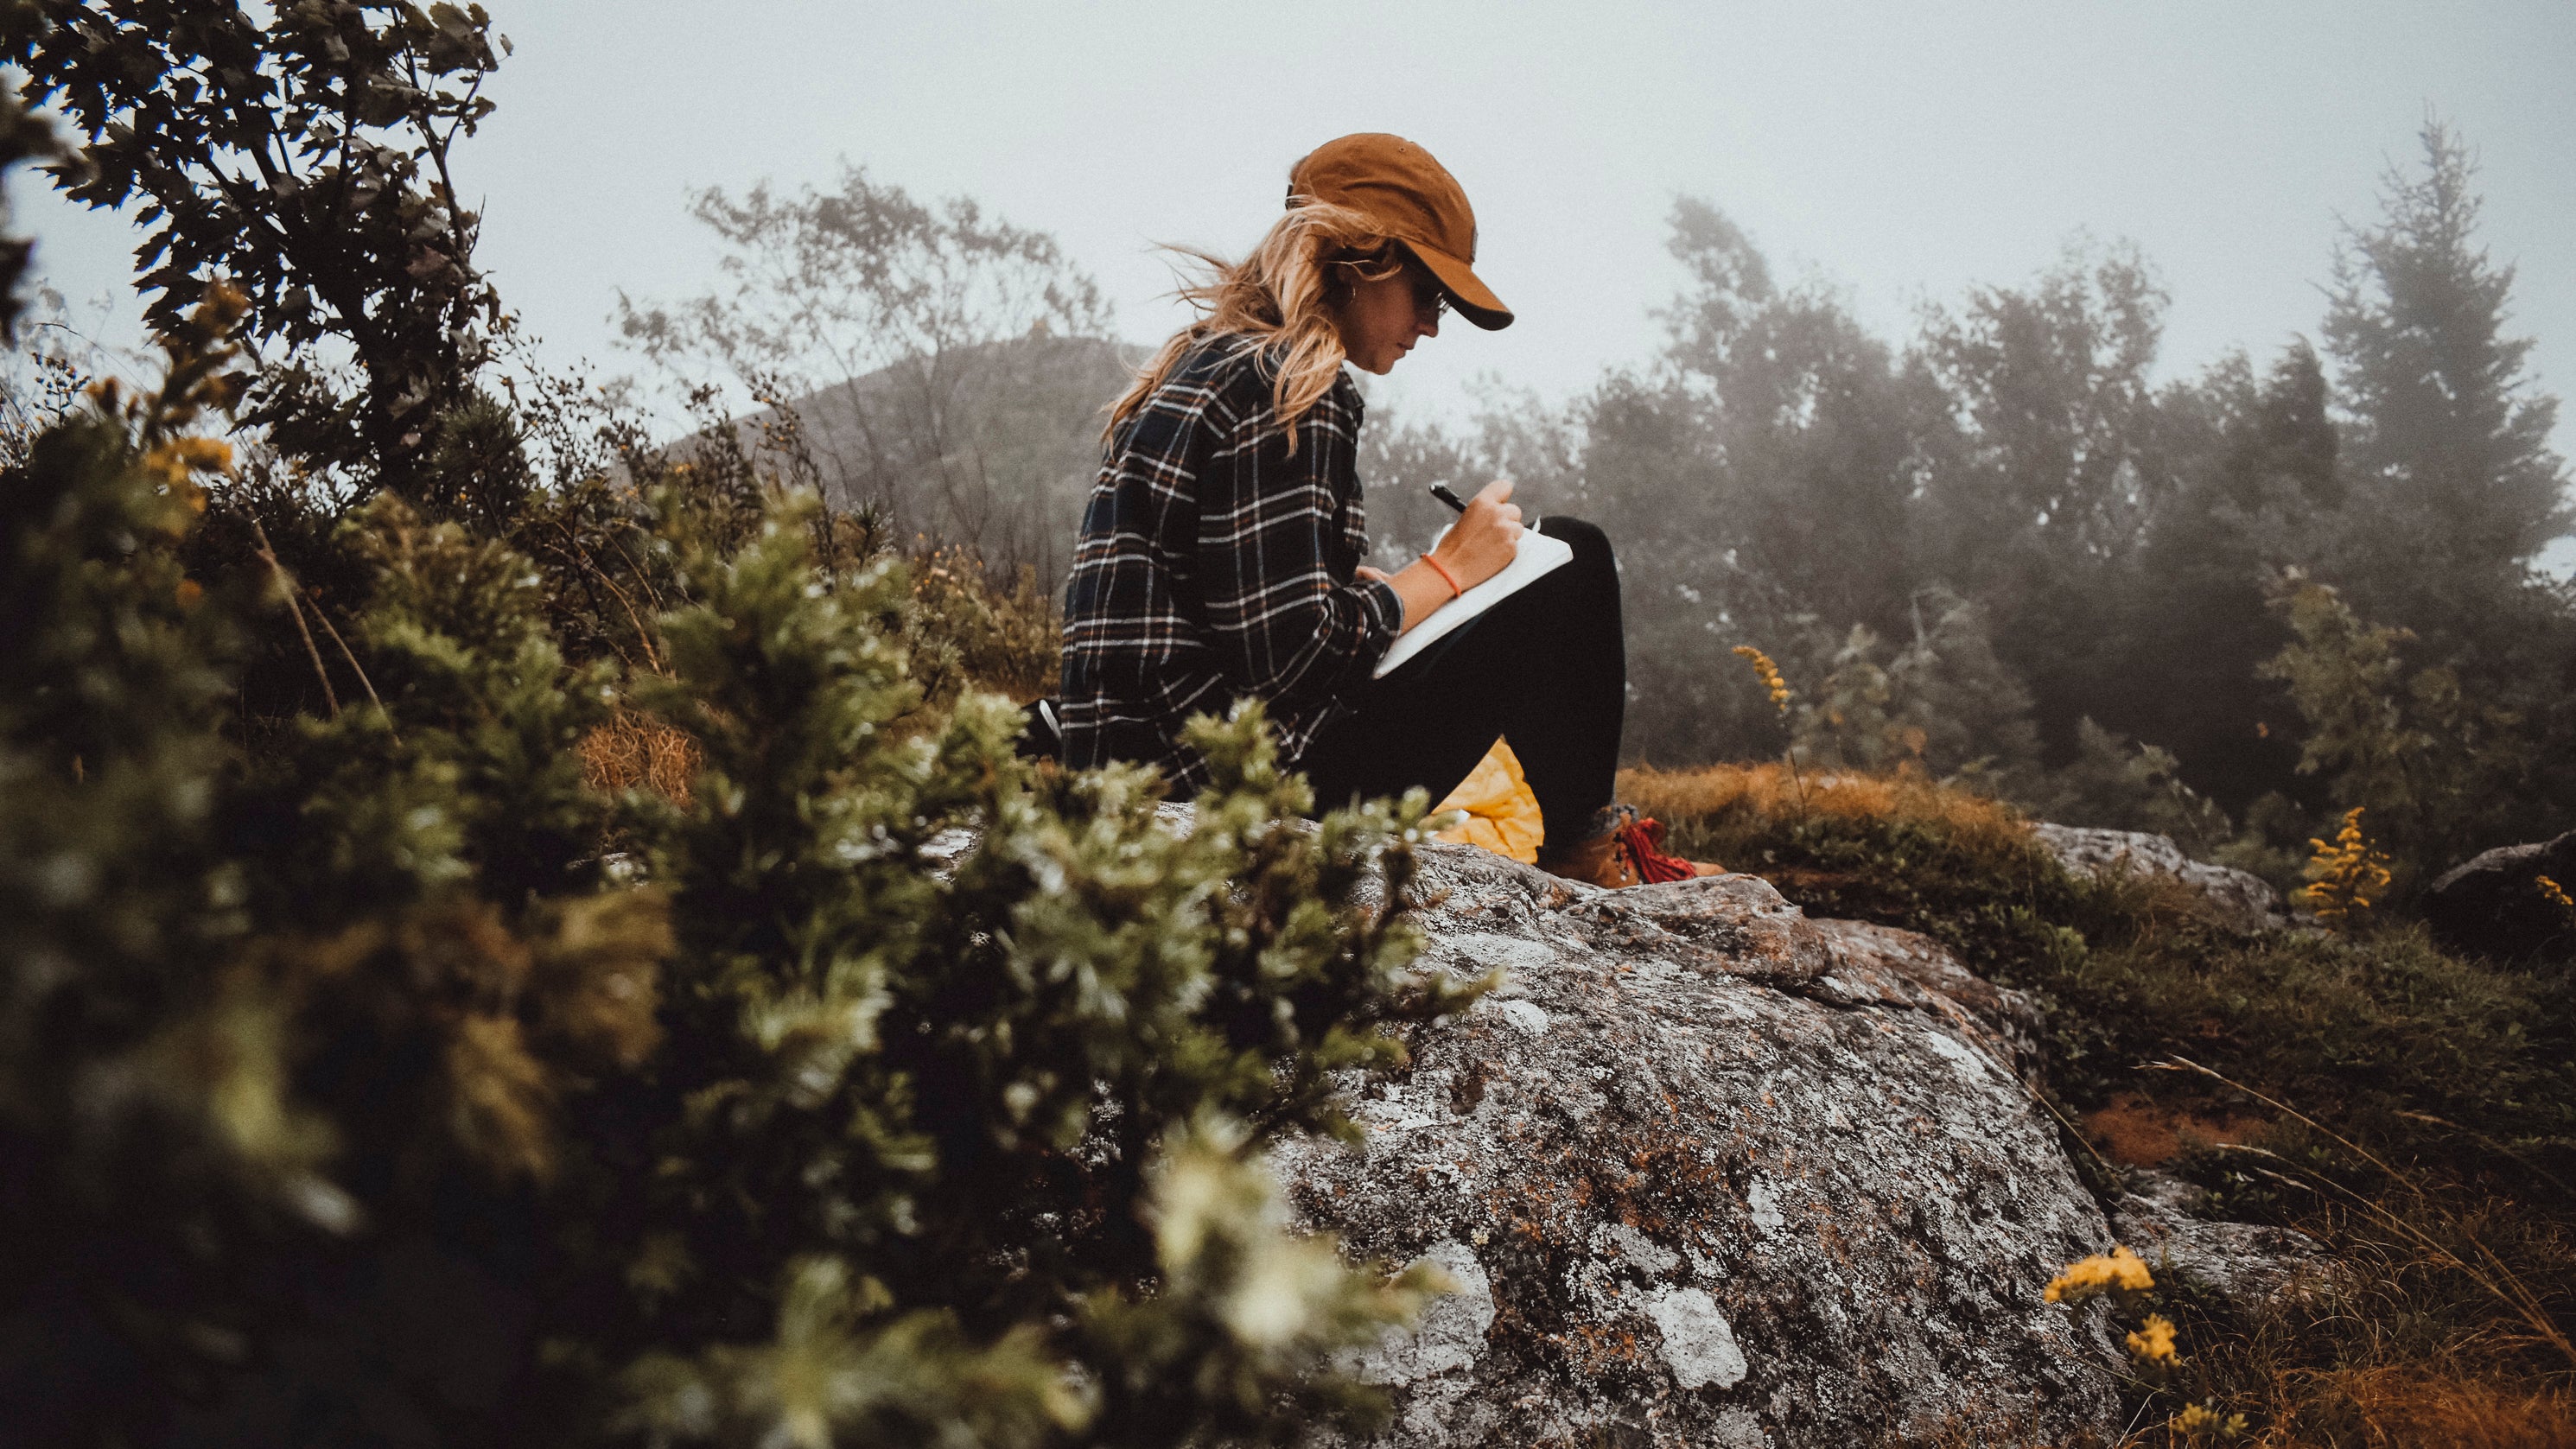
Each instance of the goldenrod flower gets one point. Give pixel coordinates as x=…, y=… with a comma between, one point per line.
x=2154, y=1340
x=2344, y=875
x=223, y=305
x=1770, y=673
x=2116, y=1271
x=174, y=460
x=2196, y=1419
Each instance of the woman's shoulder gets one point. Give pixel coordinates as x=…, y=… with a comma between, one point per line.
x=1224, y=361
x=1243, y=368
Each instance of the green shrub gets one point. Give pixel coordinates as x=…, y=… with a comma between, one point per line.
x=391, y=1080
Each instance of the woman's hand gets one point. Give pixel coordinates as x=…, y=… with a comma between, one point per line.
x=1480, y=545
x=1484, y=539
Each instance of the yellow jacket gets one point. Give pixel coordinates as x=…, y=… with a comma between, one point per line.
x=1502, y=814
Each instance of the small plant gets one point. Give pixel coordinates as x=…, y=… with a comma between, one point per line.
x=2201, y=1424
x=2124, y=1276
x=1779, y=691
x=1771, y=679
x=2152, y=1342
x=2344, y=876
x=2118, y=1271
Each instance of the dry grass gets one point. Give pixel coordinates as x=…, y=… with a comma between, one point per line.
x=2402, y=1406
x=2395, y=1345
x=2137, y=1130
x=1769, y=791
x=2385, y=1407
x=635, y=750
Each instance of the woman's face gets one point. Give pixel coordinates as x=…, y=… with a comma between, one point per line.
x=1384, y=318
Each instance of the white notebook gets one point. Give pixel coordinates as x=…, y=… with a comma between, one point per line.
x=1536, y=555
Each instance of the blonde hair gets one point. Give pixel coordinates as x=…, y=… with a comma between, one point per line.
x=1278, y=299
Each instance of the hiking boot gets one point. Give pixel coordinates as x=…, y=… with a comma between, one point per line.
x=1600, y=860
x=1621, y=851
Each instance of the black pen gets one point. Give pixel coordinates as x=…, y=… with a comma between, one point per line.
x=1441, y=492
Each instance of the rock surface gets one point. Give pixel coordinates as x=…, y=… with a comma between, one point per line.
x=2242, y=1263
x=2493, y=905
x=1707, y=1172
x=2238, y=900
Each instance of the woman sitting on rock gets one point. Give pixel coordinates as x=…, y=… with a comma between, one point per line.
x=1220, y=551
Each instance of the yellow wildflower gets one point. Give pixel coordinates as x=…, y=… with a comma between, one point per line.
x=2345, y=874
x=1770, y=673
x=2555, y=894
x=2197, y=1419
x=2116, y=1271
x=223, y=305
x=174, y=460
x=2154, y=1340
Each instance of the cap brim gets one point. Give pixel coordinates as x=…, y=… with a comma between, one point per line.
x=1467, y=293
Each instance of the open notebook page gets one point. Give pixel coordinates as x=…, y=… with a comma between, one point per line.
x=1536, y=555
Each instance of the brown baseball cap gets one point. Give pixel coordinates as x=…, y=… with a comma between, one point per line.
x=1415, y=200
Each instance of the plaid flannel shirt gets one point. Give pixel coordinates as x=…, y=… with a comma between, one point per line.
x=1213, y=565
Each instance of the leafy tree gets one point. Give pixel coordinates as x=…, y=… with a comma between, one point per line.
x=23, y=137
x=2051, y=387
x=949, y=368
x=303, y=158
x=1759, y=475
x=1398, y=460
x=2041, y=495
x=2441, y=772
x=1942, y=705
x=1810, y=428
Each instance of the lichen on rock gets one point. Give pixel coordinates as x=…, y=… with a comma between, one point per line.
x=1708, y=1172
x=2235, y=899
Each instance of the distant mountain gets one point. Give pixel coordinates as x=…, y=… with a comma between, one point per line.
x=991, y=447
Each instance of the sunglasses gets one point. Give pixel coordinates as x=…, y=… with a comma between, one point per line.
x=1427, y=296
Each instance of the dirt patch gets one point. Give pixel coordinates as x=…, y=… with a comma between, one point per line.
x=2138, y=1131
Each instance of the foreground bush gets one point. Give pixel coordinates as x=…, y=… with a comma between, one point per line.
x=391, y=1081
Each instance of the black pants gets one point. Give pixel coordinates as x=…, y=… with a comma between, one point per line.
x=1546, y=668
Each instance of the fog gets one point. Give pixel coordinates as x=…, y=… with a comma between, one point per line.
x=1901, y=152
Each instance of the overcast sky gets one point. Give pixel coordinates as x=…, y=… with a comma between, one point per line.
x=1901, y=151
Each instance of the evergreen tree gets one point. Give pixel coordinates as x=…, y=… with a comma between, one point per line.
x=2256, y=486
x=2455, y=488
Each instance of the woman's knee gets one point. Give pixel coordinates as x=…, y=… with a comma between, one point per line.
x=1591, y=546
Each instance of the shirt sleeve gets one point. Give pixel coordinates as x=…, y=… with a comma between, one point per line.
x=1283, y=626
